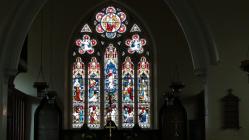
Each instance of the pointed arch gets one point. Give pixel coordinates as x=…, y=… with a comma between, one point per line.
x=111, y=37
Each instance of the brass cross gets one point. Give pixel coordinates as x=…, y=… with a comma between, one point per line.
x=110, y=127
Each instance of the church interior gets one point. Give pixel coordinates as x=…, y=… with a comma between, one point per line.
x=198, y=53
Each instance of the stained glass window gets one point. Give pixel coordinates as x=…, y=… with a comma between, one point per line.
x=135, y=44
x=143, y=84
x=86, y=44
x=94, y=93
x=111, y=83
x=128, y=93
x=111, y=70
x=78, y=73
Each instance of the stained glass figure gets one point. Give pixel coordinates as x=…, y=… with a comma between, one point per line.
x=78, y=73
x=128, y=93
x=135, y=44
x=86, y=44
x=93, y=81
x=86, y=29
x=111, y=111
x=93, y=93
x=78, y=80
x=93, y=90
x=128, y=115
x=111, y=80
x=144, y=115
x=128, y=80
x=143, y=86
x=135, y=28
x=111, y=22
x=94, y=115
x=78, y=116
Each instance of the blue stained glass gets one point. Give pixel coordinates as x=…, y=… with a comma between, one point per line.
x=143, y=86
x=111, y=81
x=144, y=115
x=128, y=88
x=128, y=115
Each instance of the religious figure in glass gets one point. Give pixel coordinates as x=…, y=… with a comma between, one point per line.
x=111, y=112
x=143, y=113
x=78, y=73
x=86, y=44
x=94, y=93
x=143, y=93
x=93, y=80
x=128, y=80
x=128, y=115
x=135, y=44
x=111, y=73
x=93, y=118
x=111, y=21
x=111, y=82
x=78, y=115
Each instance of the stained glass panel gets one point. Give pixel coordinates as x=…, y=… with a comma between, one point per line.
x=135, y=28
x=94, y=115
x=111, y=111
x=144, y=115
x=110, y=21
x=86, y=44
x=128, y=115
x=128, y=93
x=143, y=83
x=94, y=93
x=135, y=44
x=86, y=29
x=111, y=83
x=78, y=115
x=78, y=73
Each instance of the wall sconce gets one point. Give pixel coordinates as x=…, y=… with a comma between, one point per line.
x=230, y=104
x=245, y=64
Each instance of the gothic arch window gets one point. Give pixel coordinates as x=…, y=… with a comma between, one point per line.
x=111, y=70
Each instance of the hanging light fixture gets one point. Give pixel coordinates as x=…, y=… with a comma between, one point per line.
x=41, y=85
x=177, y=85
x=173, y=115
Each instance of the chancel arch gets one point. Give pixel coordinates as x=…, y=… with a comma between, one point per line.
x=18, y=32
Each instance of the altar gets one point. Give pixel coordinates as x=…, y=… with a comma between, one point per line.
x=102, y=134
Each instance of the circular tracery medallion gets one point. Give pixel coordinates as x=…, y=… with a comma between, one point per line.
x=111, y=22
